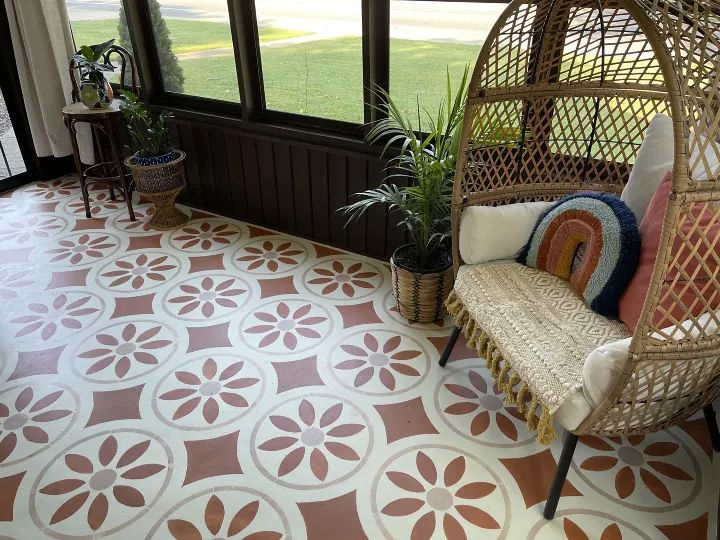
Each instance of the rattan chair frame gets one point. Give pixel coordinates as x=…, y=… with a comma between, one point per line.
x=559, y=98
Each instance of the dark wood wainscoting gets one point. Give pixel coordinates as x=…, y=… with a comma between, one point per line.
x=285, y=184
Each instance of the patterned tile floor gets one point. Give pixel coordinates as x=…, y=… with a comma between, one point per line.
x=223, y=380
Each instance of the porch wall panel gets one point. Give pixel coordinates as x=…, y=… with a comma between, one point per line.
x=283, y=184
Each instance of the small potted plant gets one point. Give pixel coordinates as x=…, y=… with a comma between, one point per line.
x=157, y=167
x=95, y=90
x=422, y=274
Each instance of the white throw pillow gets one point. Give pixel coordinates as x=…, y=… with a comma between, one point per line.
x=654, y=159
x=492, y=233
x=706, y=166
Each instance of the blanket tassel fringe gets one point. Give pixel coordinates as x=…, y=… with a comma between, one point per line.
x=517, y=392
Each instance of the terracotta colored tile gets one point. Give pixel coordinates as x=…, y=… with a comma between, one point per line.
x=297, y=374
x=358, y=314
x=259, y=231
x=205, y=263
x=68, y=278
x=277, y=286
x=534, y=474
x=325, y=251
x=42, y=208
x=333, y=518
x=133, y=305
x=31, y=363
x=144, y=242
x=696, y=528
x=9, y=486
x=112, y=405
x=207, y=337
x=405, y=419
x=207, y=458
x=460, y=352
x=698, y=430
x=199, y=214
x=84, y=224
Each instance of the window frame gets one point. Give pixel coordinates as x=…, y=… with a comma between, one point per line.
x=246, y=50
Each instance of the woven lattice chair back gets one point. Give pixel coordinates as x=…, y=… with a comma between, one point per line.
x=559, y=100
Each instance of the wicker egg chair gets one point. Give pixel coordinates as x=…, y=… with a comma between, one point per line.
x=558, y=102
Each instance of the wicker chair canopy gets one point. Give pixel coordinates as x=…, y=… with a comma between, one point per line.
x=558, y=103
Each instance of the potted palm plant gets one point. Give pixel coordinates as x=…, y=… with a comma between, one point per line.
x=157, y=167
x=418, y=187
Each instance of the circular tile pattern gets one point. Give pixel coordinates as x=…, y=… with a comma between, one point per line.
x=100, y=484
x=226, y=511
x=138, y=272
x=379, y=362
x=22, y=230
x=470, y=403
x=33, y=419
x=51, y=316
x=286, y=326
x=312, y=442
x=586, y=524
x=81, y=249
x=101, y=205
x=52, y=190
x=141, y=225
x=17, y=280
x=434, y=489
x=205, y=235
x=343, y=279
x=275, y=255
x=204, y=298
x=208, y=392
x=627, y=468
x=124, y=351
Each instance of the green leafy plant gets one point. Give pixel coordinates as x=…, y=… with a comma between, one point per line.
x=427, y=153
x=149, y=136
x=90, y=60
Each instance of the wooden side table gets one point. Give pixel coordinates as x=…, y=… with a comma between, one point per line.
x=105, y=125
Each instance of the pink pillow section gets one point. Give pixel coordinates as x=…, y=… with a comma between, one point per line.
x=632, y=301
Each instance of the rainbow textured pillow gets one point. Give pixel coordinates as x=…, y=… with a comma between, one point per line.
x=605, y=229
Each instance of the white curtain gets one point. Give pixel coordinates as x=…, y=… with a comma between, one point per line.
x=42, y=43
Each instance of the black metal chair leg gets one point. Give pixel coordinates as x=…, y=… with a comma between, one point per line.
x=562, y=470
x=711, y=420
x=449, y=347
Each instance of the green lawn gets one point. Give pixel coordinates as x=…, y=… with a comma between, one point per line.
x=319, y=78
x=324, y=78
x=187, y=36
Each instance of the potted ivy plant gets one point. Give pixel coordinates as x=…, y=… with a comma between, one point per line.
x=157, y=167
x=95, y=90
x=418, y=187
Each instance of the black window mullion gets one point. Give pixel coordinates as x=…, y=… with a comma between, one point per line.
x=246, y=42
x=376, y=53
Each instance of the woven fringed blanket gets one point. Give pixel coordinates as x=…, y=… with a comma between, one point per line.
x=533, y=330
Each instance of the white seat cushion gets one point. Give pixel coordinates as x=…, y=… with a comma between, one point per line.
x=605, y=365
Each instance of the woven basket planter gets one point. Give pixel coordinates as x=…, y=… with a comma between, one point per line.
x=420, y=295
x=161, y=184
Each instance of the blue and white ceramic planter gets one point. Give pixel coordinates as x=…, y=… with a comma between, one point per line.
x=155, y=160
